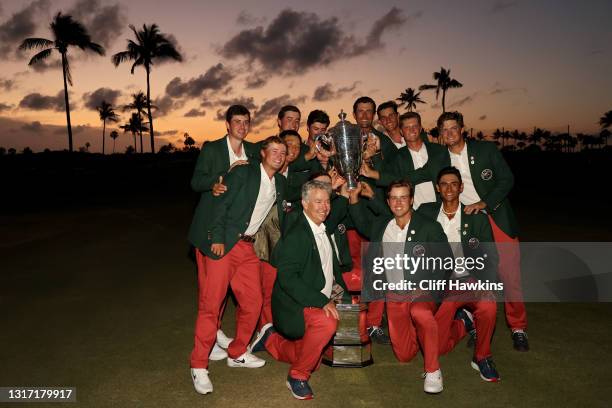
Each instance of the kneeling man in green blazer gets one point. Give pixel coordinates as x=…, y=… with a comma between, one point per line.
x=303, y=308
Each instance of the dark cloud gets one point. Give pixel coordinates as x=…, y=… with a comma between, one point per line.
x=256, y=80
x=500, y=90
x=76, y=130
x=7, y=84
x=166, y=104
x=47, y=65
x=462, y=101
x=483, y=117
x=502, y=5
x=35, y=126
x=21, y=25
x=167, y=132
x=246, y=18
x=270, y=108
x=194, y=113
x=215, y=78
x=5, y=107
x=93, y=99
x=295, y=42
x=104, y=22
x=36, y=101
x=247, y=102
x=326, y=92
x=220, y=115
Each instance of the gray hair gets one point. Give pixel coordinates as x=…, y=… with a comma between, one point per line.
x=315, y=185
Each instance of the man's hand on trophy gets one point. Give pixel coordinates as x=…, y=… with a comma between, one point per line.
x=330, y=310
x=336, y=179
x=367, y=171
x=366, y=190
x=219, y=188
x=354, y=194
x=312, y=150
x=372, y=146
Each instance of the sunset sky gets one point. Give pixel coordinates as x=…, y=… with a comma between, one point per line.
x=522, y=63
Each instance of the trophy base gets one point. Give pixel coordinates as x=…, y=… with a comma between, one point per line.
x=348, y=355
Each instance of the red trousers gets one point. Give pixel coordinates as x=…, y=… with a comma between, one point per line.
x=240, y=269
x=411, y=324
x=375, y=311
x=304, y=354
x=268, y=277
x=510, y=274
x=451, y=331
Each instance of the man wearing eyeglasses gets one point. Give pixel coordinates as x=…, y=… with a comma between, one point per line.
x=487, y=181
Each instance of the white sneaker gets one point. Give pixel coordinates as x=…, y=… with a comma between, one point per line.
x=201, y=382
x=433, y=382
x=246, y=360
x=217, y=353
x=222, y=340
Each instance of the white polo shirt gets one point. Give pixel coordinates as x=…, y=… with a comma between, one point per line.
x=423, y=192
x=452, y=229
x=325, y=254
x=265, y=200
x=232, y=156
x=394, y=239
x=461, y=162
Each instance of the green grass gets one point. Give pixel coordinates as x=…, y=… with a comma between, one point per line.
x=104, y=299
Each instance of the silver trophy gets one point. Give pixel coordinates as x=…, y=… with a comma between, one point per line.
x=349, y=148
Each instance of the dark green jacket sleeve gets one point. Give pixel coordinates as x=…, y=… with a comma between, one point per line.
x=505, y=180
x=234, y=180
x=204, y=174
x=361, y=218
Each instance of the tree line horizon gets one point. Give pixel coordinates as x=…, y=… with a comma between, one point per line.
x=151, y=45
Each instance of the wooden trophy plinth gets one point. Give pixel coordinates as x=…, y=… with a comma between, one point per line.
x=349, y=348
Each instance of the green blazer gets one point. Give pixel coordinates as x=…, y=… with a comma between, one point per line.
x=422, y=232
x=232, y=210
x=476, y=238
x=299, y=279
x=493, y=181
x=212, y=162
x=400, y=165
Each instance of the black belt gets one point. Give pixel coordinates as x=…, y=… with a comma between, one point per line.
x=246, y=238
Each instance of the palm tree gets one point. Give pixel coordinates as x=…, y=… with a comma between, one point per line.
x=150, y=45
x=444, y=83
x=135, y=126
x=114, y=135
x=139, y=103
x=606, y=121
x=410, y=99
x=107, y=113
x=66, y=32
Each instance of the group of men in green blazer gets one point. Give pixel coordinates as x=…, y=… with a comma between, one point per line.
x=240, y=183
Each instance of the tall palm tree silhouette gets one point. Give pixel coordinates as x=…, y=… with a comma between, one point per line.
x=605, y=122
x=138, y=104
x=114, y=135
x=135, y=126
x=66, y=32
x=150, y=45
x=409, y=99
x=444, y=83
x=107, y=113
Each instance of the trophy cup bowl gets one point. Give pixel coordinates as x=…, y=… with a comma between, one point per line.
x=348, y=142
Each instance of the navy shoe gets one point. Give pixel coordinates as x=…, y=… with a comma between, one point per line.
x=468, y=321
x=378, y=335
x=299, y=389
x=520, y=341
x=260, y=341
x=486, y=368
